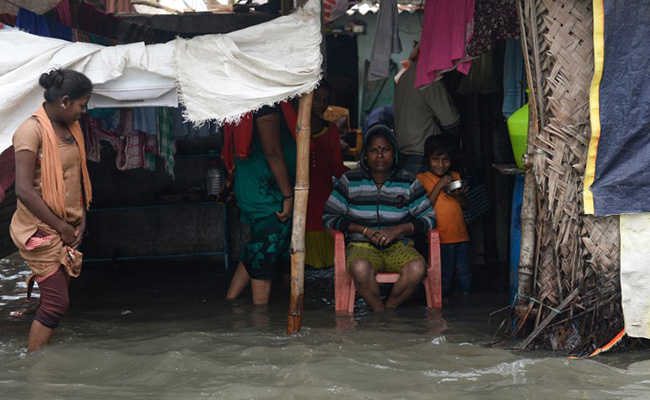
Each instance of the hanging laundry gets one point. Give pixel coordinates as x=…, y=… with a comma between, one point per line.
x=115, y=6
x=446, y=31
x=32, y=23
x=130, y=155
x=91, y=137
x=93, y=20
x=128, y=144
x=42, y=26
x=59, y=31
x=145, y=120
x=62, y=13
x=150, y=152
x=187, y=130
x=493, y=19
x=514, y=78
x=166, y=146
x=8, y=19
x=387, y=40
x=79, y=35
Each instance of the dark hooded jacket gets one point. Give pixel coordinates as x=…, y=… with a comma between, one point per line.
x=357, y=199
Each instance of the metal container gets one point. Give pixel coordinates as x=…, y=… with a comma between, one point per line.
x=455, y=185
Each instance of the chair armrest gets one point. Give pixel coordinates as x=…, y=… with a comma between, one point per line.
x=433, y=237
x=336, y=234
x=434, y=272
x=339, y=249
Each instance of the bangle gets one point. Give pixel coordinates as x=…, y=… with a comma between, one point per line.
x=412, y=228
x=364, y=231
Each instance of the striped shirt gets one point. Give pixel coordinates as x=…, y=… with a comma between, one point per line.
x=356, y=199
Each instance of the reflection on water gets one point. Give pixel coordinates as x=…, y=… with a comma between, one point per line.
x=164, y=332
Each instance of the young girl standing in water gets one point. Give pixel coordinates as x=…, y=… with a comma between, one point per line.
x=54, y=192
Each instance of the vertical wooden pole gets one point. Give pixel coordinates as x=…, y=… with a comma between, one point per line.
x=301, y=193
x=529, y=204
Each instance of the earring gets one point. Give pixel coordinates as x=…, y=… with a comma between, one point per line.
x=63, y=105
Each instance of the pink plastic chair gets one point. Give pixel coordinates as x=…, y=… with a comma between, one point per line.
x=344, y=290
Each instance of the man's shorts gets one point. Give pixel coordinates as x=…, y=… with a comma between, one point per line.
x=390, y=259
x=268, y=249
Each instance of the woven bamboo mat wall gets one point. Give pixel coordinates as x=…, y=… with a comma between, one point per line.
x=577, y=255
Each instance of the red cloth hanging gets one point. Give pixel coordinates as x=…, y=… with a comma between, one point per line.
x=62, y=13
x=237, y=137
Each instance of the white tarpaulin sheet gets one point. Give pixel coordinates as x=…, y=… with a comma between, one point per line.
x=219, y=77
x=135, y=88
x=635, y=273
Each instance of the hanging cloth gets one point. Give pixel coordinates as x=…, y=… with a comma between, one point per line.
x=116, y=6
x=386, y=40
x=446, y=31
x=514, y=76
x=93, y=20
x=166, y=148
x=32, y=23
x=493, y=19
x=237, y=137
x=42, y=26
x=62, y=13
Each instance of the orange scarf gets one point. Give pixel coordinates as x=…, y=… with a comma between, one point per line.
x=52, y=169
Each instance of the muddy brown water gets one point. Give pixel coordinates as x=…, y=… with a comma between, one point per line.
x=163, y=331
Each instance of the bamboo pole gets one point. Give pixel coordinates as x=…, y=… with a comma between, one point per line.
x=529, y=204
x=301, y=193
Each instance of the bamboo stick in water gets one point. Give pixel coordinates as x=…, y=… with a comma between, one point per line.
x=301, y=193
x=529, y=204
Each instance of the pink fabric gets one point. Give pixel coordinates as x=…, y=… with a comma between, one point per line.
x=115, y=6
x=37, y=240
x=62, y=12
x=447, y=29
x=8, y=168
x=40, y=279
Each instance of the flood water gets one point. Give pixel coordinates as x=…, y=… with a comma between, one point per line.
x=163, y=331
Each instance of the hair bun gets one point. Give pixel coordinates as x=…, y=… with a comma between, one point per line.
x=52, y=78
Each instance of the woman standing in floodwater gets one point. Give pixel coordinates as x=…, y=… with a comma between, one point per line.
x=264, y=193
x=54, y=192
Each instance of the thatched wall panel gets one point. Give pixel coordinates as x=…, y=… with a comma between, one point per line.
x=573, y=251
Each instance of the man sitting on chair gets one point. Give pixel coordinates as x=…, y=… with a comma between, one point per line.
x=377, y=206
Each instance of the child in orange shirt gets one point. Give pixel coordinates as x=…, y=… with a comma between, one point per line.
x=454, y=240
